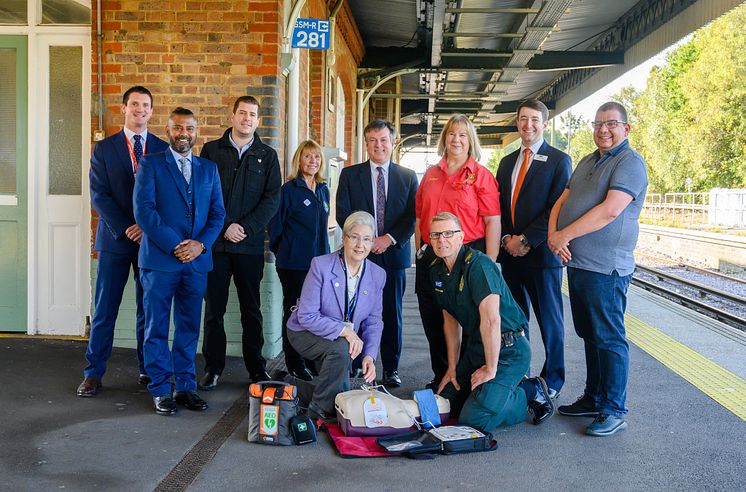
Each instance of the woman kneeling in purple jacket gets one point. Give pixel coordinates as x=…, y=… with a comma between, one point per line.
x=338, y=315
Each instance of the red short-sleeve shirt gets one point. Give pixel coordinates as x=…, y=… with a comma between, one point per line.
x=470, y=195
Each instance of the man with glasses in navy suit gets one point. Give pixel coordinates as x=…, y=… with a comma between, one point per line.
x=112, y=176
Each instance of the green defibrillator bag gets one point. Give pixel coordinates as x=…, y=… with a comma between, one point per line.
x=272, y=404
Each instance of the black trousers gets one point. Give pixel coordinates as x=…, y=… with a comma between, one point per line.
x=431, y=314
x=292, y=285
x=247, y=272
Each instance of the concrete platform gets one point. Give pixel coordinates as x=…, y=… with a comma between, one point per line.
x=678, y=437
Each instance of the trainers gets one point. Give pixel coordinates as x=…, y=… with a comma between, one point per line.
x=583, y=407
x=606, y=425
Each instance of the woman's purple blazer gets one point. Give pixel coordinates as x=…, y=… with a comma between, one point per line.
x=321, y=304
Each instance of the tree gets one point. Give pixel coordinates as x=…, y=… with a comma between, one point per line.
x=690, y=120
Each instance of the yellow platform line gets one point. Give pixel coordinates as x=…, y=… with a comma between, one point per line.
x=726, y=388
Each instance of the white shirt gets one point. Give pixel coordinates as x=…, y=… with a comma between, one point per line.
x=131, y=137
x=519, y=162
x=374, y=181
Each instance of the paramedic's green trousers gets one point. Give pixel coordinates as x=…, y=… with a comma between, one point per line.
x=498, y=402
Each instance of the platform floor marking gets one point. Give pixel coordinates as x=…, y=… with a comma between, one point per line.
x=43, y=337
x=726, y=388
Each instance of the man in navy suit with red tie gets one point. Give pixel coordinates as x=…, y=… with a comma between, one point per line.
x=531, y=179
x=387, y=191
x=113, y=168
x=179, y=205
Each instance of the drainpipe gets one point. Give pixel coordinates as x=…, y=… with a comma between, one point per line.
x=100, y=38
x=293, y=101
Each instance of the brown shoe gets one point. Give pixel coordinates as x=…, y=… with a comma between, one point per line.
x=89, y=387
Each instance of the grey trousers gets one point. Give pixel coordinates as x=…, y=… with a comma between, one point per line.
x=332, y=359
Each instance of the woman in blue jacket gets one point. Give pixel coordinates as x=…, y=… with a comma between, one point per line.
x=298, y=233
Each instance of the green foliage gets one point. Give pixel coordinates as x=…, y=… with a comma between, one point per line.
x=690, y=121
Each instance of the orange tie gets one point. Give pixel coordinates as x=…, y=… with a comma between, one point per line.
x=519, y=182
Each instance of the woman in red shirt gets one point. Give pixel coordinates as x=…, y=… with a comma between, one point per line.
x=460, y=185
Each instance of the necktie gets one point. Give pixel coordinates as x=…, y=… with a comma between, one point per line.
x=380, y=200
x=186, y=168
x=137, y=149
x=519, y=182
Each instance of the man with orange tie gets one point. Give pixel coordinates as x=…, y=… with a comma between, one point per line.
x=112, y=176
x=531, y=179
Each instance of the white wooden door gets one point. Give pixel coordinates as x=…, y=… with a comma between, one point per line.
x=62, y=156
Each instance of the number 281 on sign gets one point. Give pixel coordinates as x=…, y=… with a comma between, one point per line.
x=311, y=34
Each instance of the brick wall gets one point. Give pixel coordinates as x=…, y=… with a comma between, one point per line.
x=198, y=54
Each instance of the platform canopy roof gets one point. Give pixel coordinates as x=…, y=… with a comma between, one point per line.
x=482, y=57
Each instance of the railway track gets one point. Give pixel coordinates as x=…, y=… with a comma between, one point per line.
x=715, y=303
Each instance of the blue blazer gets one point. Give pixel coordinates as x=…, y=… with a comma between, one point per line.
x=112, y=184
x=355, y=192
x=299, y=230
x=544, y=183
x=321, y=304
x=163, y=214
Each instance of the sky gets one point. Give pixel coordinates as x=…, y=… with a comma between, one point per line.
x=420, y=159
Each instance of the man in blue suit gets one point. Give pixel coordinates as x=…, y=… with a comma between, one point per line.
x=387, y=191
x=531, y=179
x=113, y=167
x=179, y=206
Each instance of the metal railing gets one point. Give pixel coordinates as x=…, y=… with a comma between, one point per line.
x=718, y=207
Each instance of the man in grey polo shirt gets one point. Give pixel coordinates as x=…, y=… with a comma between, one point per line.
x=593, y=228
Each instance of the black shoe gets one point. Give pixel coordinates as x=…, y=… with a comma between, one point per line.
x=584, y=406
x=190, y=400
x=89, y=387
x=317, y=414
x=143, y=379
x=208, y=381
x=541, y=407
x=164, y=405
x=260, y=376
x=303, y=374
x=391, y=379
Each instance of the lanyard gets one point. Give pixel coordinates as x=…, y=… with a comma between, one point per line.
x=350, y=304
x=132, y=152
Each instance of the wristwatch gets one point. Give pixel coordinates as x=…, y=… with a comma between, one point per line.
x=204, y=248
x=523, y=240
x=504, y=239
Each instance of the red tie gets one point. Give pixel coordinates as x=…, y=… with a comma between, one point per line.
x=519, y=182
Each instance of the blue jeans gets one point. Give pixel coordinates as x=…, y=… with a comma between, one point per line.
x=598, y=303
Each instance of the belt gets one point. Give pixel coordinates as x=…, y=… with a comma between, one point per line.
x=508, y=338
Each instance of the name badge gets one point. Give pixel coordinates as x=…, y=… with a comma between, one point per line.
x=306, y=202
x=539, y=157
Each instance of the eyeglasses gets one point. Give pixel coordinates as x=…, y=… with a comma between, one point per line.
x=367, y=240
x=445, y=234
x=610, y=124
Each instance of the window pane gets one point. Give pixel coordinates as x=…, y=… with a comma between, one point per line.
x=65, y=116
x=8, y=110
x=66, y=11
x=13, y=12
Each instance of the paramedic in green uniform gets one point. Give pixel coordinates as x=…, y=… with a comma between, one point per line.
x=488, y=354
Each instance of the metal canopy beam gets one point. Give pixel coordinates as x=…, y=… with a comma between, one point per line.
x=486, y=10
x=636, y=24
x=478, y=59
